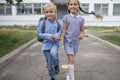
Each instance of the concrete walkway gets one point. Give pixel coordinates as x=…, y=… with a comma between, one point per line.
x=95, y=60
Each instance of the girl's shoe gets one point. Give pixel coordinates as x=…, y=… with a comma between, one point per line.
x=67, y=77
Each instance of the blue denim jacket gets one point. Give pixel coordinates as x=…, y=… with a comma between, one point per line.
x=50, y=29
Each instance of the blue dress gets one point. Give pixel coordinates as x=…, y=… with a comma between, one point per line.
x=71, y=41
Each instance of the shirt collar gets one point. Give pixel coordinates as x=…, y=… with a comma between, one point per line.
x=51, y=21
x=74, y=15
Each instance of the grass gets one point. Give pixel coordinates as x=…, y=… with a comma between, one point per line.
x=10, y=40
x=19, y=27
x=100, y=28
x=110, y=34
x=115, y=39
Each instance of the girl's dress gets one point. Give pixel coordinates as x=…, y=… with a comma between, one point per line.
x=71, y=41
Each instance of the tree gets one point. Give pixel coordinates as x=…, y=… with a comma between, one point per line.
x=14, y=2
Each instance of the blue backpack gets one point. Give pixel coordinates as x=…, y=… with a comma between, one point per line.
x=43, y=27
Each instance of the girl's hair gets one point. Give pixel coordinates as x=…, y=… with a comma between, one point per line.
x=79, y=8
x=50, y=5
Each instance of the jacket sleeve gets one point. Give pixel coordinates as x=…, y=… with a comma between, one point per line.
x=59, y=32
x=39, y=31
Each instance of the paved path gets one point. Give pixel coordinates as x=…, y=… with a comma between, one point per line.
x=94, y=61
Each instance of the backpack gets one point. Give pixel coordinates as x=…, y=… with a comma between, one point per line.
x=43, y=27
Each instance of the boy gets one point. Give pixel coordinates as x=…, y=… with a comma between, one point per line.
x=50, y=39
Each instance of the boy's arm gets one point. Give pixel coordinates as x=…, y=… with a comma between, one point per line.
x=57, y=35
x=39, y=32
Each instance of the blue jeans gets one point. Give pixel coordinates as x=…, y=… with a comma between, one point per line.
x=52, y=59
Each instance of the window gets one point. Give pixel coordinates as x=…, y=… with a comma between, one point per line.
x=5, y=9
x=30, y=8
x=85, y=7
x=101, y=8
x=37, y=8
x=24, y=9
x=20, y=9
x=116, y=9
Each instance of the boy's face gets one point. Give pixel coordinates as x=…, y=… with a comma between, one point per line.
x=50, y=13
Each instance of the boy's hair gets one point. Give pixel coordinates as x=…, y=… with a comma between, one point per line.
x=50, y=5
x=79, y=8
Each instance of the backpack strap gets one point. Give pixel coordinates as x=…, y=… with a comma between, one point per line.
x=43, y=27
x=44, y=22
x=58, y=26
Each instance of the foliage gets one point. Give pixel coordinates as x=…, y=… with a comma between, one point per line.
x=16, y=2
x=12, y=2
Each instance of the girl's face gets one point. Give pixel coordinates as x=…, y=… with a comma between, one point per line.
x=50, y=13
x=73, y=6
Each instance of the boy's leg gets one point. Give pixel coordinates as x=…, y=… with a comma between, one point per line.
x=49, y=62
x=55, y=55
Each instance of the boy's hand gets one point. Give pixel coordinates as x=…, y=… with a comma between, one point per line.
x=52, y=37
x=56, y=39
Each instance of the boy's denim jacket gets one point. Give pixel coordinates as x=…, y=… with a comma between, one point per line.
x=50, y=29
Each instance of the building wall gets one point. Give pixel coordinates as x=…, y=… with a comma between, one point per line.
x=32, y=19
x=22, y=19
x=109, y=20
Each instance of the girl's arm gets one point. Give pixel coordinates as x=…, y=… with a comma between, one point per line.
x=82, y=32
x=63, y=30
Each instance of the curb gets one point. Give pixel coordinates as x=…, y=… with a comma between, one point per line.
x=105, y=43
x=5, y=60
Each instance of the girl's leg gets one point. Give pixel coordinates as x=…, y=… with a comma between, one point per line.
x=71, y=66
x=49, y=62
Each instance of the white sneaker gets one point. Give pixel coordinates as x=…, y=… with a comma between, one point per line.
x=67, y=77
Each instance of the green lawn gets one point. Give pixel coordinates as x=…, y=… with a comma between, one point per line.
x=100, y=28
x=19, y=27
x=115, y=39
x=111, y=34
x=10, y=40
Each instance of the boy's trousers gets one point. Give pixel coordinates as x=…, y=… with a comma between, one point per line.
x=52, y=59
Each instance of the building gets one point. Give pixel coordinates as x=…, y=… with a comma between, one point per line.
x=13, y=15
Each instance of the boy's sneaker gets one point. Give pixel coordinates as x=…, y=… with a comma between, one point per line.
x=67, y=77
x=57, y=69
x=52, y=78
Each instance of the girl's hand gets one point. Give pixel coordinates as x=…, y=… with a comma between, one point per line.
x=80, y=36
x=60, y=38
x=56, y=39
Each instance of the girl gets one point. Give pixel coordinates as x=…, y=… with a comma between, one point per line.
x=73, y=32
